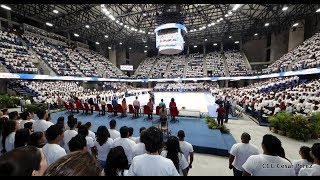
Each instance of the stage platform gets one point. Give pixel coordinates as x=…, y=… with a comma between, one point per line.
x=203, y=139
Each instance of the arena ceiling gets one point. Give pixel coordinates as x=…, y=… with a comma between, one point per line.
x=135, y=23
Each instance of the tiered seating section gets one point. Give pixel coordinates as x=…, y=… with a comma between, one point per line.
x=52, y=56
x=195, y=66
x=160, y=67
x=177, y=67
x=14, y=55
x=235, y=63
x=145, y=68
x=185, y=86
x=306, y=55
x=215, y=64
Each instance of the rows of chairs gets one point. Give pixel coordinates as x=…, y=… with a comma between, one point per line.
x=85, y=108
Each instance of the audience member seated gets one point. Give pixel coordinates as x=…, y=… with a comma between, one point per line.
x=14, y=55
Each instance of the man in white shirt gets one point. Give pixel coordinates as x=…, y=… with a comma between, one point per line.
x=113, y=132
x=91, y=134
x=151, y=163
x=26, y=117
x=268, y=163
x=239, y=154
x=41, y=125
x=52, y=150
x=126, y=143
x=314, y=170
x=70, y=133
x=140, y=148
x=186, y=148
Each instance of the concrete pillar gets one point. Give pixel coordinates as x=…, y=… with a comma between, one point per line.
x=221, y=46
x=121, y=56
x=226, y=83
x=0, y=24
x=113, y=55
x=204, y=48
x=279, y=44
x=9, y=19
x=296, y=36
x=240, y=45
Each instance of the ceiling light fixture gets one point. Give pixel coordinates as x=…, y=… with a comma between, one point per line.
x=55, y=11
x=235, y=7
x=285, y=8
x=237, y=42
x=295, y=24
x=6, y=7
x=106, y=36
x=87, y=26
x=76, y=35
x=256, y=34
x=97, y=43
x=49, y=24
x=266, y=24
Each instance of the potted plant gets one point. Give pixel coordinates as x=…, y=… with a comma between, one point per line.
x=299, y=128
x=224, y=129
x=315, y=125
x=283, y=118
x=274, y=124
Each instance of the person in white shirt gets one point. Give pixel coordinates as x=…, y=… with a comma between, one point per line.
x=314, y=170
x=240, y=152
x=186, y=148
x=26, y=117
x=174, y=153
x=82, y=130
x=8, y=135
x=41, y=125
x=151, y=163
x=113, y=132
x=268, y=163
x=52, y=150
x=102, y=145
x=305, y=161
x=91, y=134
x=140, y=148
x=131, y=133
x=138, y=138
x=70, y=133
x=125, y=142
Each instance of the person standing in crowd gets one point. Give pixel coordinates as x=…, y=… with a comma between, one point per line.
x=239, y=154
x=186, y=148
x=174, y=153
x=113, y=132
x=89, y=127
x=22, y=104
x=314, y=170
x=5, y=113
x=268, y=163
x=162, y=104
x=23, y=161
x=8, y=135
x=124, y=107
x=163, y=113
x=221, y=113
x=37, y=139
x=52, y=150
x=70, y=133
x=91, y=103
x=140, y=147
x=136, y=105
x=150, y=105
x=125, y=142
x=102, y=145
x=227, y=107
x=103, y=107
x=41, y=125
x=77, y=143
x=140, y=131
x=116, y=162
x=114, y=105
x=305, y=161
x=151, y=163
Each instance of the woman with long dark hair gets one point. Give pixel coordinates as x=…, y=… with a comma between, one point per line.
x=8, y=135
x=174, y=153
x=117, y=162
x=102, y=144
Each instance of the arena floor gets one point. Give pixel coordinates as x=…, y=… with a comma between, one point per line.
x=194, y=102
